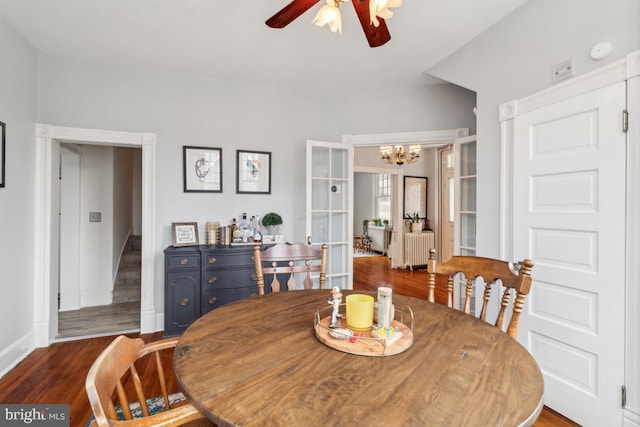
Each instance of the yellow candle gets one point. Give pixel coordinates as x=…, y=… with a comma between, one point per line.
x=359, y=312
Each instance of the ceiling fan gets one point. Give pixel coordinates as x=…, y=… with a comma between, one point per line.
x=376, y=35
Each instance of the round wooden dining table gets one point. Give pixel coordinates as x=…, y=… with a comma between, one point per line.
x=257, y=362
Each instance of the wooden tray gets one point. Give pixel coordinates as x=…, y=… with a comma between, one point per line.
x=365, y=343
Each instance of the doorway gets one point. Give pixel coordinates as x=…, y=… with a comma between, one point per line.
x=374, y=200
x=48, y=139
x=100, y=240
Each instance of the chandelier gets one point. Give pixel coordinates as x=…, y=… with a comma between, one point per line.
x=399, y=156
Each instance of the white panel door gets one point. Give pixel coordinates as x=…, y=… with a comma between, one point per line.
x=569, y=217
x=330, y=207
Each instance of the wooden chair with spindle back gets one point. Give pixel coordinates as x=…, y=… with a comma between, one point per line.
x=140, y=407
x=514, y=277
x=289, y=259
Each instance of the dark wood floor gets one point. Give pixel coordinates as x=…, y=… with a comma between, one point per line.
x=56, y=374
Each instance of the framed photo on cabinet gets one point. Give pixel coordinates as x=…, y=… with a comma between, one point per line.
x=253, y=172
x=184, y=233
x=202, y=168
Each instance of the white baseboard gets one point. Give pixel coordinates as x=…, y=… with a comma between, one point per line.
x=16, y=352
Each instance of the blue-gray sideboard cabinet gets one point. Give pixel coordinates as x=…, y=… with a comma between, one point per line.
x=201, y=278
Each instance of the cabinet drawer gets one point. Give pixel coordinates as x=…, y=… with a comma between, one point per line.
x=215, y=299
x=177, y=261
x=229, y=279
x=223, y=260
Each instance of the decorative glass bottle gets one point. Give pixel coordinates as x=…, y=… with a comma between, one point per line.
x=245, y=229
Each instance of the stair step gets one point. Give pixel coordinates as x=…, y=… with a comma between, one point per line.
x=127, y=287
x=131, y=259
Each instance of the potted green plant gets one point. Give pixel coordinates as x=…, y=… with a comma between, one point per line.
x=272, y=222
x=416, y=223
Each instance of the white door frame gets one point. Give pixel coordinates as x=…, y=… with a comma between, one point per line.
x=427, y=139
x=627, y=69
x=45, y=284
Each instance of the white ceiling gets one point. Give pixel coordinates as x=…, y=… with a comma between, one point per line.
x=229, y=39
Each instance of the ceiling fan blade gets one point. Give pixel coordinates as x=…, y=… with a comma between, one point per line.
x=289, y=13
x=376, y=36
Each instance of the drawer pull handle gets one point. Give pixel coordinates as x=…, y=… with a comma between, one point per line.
x=212, y=280
x=184, y=302
x=213, y=300
x=184, y=261
x=254, y=277
x=212, y=260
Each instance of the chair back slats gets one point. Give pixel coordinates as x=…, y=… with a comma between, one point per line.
x=142, y=399
x=514, y=277
x=162, y=379
x=290, y=259
x=108, y=374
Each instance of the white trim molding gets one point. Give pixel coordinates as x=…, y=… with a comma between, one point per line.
x=433, y=137
x=48, y=139
x=615, y=72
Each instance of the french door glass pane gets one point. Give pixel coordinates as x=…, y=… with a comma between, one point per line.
x=339, y=164
x=320, y=201
x=468, y=230
x=468, y=159
x=320, y=165
x=320, y=227
x=468, y=189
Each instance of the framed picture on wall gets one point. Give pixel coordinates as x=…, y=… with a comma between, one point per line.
x=202, y=169
x=253, y=172
x=415, y=196
x=184, y=233
x=2, y=152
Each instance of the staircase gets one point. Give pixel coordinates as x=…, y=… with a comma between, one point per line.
x=127, y=285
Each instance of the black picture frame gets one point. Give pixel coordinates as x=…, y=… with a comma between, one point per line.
x=415, y=196
x=202, y=169
x=3, y=131
x=253, y=172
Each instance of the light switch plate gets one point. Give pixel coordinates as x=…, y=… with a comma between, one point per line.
x=95, y=216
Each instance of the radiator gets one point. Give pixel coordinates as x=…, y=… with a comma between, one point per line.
x=416, y=248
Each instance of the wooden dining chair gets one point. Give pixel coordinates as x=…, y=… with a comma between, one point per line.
x=136, y=403
x=514, y=277
x=286, y=260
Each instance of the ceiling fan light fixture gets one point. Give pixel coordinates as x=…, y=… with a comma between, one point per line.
x=380, y=9
x=329, y=14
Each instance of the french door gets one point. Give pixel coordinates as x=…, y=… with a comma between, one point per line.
x=329, y=207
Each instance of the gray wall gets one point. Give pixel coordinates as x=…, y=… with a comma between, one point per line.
x=18, y=97
x=514, y=58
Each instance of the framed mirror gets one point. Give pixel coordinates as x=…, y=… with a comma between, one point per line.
x=415, y=196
